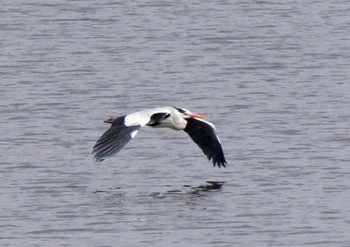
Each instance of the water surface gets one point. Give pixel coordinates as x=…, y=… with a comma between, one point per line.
x=273, y=78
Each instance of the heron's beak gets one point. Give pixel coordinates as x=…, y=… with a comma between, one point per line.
x=109, y=120
x=195, y=115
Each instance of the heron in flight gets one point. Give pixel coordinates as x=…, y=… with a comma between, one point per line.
x=124, y=128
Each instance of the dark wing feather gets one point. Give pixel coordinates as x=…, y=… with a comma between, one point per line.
x=114, y=139
x=204, y=135
x=157, y=118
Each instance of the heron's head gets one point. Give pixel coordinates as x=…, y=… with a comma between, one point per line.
x=187, y=114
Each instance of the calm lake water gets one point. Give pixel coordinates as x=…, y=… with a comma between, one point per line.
x=273, y=77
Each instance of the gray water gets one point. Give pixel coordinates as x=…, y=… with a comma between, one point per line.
x=273, y=76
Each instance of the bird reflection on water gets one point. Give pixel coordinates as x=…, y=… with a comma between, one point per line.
x=210, y=186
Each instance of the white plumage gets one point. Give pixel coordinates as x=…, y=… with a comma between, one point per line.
x=124, y=128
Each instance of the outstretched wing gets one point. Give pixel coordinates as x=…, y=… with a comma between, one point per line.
x=203, y=133
x=114, y=139
x=125, y=128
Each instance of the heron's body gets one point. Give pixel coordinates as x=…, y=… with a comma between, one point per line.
x=125, y=128
x=144, y=117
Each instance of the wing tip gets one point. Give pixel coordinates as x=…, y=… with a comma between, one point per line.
x=97, y=158
x=221, y=163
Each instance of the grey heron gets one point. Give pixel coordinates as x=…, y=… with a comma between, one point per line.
x=124, y=128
